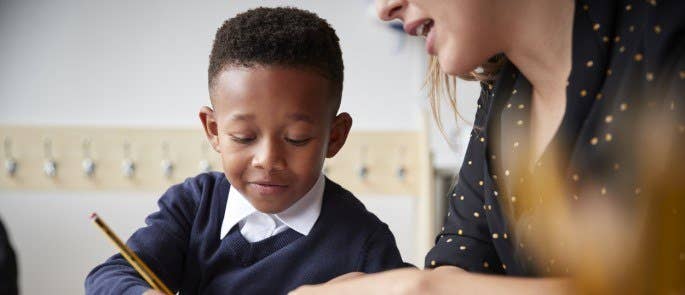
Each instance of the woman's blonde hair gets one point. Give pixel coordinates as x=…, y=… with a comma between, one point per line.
x=442, y=86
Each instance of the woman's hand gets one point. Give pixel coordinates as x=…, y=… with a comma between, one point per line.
x=442, y=280
x=400, y=281
x=347, y=276
x=153, y=292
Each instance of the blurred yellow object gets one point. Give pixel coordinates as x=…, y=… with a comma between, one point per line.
x=608, y=242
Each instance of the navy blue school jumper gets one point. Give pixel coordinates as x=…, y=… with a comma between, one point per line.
x=181, y=245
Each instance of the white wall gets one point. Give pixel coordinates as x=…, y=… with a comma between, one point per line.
x=55, y=241
x=89, y=62
x=143, y=63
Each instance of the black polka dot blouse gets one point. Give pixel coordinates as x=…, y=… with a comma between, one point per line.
x=628, y=61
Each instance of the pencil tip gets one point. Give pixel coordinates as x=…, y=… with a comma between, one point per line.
x=93, y=215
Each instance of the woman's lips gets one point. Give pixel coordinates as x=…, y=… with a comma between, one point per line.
x=418, y=27
x=423, y=28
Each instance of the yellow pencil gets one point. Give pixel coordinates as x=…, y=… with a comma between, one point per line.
x=131, y=257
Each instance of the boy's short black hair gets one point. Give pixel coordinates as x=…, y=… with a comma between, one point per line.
x=281, y=36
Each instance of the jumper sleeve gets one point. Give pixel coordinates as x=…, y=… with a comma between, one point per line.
x=162, y=245
x=380, y=252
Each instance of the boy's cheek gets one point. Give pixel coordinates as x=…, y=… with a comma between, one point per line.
x=310, y=159
x=233, y=167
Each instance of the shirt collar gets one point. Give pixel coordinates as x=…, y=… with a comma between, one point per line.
x=300, y=216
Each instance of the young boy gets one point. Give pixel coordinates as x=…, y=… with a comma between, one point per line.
x=271, y=222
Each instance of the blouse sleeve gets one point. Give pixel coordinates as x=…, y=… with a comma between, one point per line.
x=464, y=240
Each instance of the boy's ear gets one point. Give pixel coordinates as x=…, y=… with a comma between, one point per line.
x=210, y=126
x=340, y=128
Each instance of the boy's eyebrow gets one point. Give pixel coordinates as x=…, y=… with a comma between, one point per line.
x=301, y=117
x=242, y=117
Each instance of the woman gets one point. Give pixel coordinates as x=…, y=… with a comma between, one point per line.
x=567, y=86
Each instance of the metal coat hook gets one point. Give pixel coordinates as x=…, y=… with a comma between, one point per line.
x=128, y=167
x=87, y=164
x=49, y=165
x=11, y=164
x=363, y=170
x=401, y=171
x=166, y=164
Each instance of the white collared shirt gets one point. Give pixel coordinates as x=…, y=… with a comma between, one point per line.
x=256, y=226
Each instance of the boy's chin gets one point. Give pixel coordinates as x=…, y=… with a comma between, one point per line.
x=269, y=206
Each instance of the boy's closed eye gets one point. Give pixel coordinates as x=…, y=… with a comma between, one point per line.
x=243, y=139
x=294, y=140
x=298, y=142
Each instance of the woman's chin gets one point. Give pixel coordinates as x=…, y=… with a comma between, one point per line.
x=452, y=68
x=452, y=65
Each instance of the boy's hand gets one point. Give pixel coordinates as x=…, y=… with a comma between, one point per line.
x=153, y=292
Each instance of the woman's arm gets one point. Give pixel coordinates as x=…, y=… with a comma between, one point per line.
x=471, y=225
x=442, y=280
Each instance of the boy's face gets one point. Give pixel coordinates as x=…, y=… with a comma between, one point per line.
x=273, y=127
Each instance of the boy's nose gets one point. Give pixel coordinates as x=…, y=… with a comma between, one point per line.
x=269, y=156
x=390, y=9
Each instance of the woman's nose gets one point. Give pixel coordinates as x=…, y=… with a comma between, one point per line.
x=390, y=9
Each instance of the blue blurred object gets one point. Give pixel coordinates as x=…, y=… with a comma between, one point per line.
x=398, y=26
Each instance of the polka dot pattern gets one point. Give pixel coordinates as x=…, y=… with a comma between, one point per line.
x=617, y=48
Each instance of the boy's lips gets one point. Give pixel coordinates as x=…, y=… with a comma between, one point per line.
x=268, y=188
